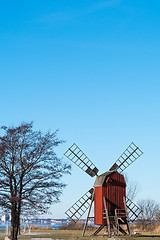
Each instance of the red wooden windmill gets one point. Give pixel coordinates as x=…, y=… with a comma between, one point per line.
x=112, y=209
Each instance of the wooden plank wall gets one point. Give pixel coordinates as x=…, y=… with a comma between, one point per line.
x=113, y=190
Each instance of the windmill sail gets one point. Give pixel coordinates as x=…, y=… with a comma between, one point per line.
x=76, y=211
x=127, y=158
x=133, y=210
x=75, y=154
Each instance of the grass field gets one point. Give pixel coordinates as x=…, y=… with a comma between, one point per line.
x=77, y=234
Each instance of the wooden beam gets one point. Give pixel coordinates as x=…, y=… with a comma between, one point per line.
x=107, y=217
x=85, y=225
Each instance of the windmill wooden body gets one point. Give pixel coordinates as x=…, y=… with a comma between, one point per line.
x=112, y=209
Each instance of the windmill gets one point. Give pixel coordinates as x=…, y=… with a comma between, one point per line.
x=112, y=209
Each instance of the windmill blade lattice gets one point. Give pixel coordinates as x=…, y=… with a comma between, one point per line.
x=133, y=210
x=75, y=154
x=127, y=158
x=76, y=211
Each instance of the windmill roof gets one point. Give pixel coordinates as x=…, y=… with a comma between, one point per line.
x=101, y=178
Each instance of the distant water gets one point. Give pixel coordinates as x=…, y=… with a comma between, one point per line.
x=3, y=226
x=56, y=226
x=43, y=225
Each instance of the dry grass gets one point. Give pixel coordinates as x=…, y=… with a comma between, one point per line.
x=77, y=234
x=72, y=226
x=151, y=231
x=157, y=230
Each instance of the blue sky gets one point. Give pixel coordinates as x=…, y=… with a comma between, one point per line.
x=91, y=70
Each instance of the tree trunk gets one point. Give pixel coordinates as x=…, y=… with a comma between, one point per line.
x=14, y=222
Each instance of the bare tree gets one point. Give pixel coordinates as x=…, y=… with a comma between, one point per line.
x=158, y=216
x=132, y=188
x=150, y=210
x=30, y=172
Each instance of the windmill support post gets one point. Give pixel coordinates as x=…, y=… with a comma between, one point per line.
x=84, y=229
x=117, y=223
x=128, y=225
x=107, y=217
x=97, y=230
